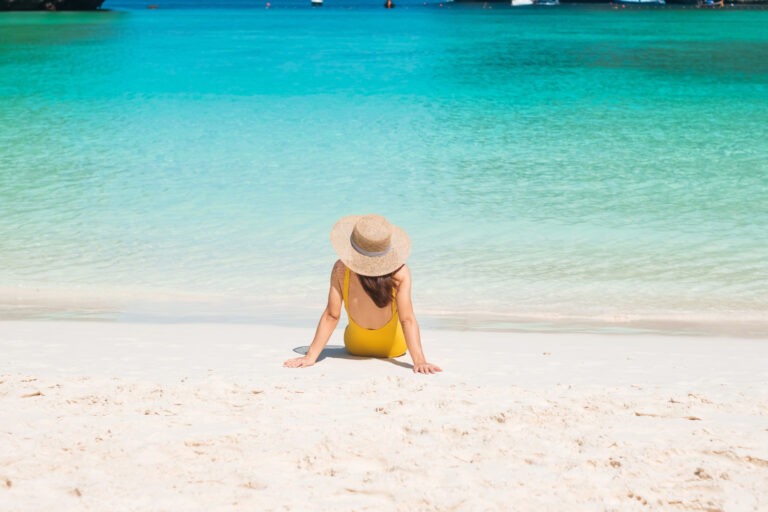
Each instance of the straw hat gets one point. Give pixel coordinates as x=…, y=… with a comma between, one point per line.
x=369, y=245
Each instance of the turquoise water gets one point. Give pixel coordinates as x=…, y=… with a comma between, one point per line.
x=577, y=167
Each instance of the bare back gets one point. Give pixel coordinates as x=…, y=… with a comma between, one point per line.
x=362, y=309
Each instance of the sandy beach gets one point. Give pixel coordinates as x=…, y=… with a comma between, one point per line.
x=104, y=416
x=579, y=193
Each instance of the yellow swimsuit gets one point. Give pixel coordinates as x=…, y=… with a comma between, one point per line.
x=387, y=341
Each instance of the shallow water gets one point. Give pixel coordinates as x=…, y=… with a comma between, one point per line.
x=578, y=167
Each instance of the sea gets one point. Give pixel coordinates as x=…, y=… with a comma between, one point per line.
x=582, y=168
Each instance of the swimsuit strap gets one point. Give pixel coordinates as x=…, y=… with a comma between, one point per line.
x=345, y=290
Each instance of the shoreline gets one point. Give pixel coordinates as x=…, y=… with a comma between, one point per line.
x=126, y=416
x=524, y=325
x=546, y=325
x=145, y=306
x=702, y=326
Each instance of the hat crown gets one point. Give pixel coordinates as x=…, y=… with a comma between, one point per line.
x=372, y=233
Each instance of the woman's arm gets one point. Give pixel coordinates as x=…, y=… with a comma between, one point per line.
x=327, y=323
x=410, y=326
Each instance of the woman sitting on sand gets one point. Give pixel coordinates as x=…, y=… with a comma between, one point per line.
x=374, y=283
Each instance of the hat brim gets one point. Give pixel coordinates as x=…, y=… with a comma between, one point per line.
x=400, y=249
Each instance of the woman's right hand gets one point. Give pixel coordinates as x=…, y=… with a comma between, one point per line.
x=299, y=362
x=426, y=368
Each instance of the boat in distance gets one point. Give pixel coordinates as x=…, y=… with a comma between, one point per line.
x=523, y=3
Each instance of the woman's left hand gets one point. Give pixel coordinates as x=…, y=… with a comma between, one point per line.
x=426, y=368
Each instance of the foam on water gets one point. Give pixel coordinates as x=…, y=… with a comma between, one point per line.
x=572, y=166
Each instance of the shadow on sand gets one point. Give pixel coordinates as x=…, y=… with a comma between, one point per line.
x=339, y=352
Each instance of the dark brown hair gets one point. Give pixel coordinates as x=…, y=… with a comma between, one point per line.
x=379, y=288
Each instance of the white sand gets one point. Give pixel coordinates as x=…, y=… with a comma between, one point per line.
x=112, y=417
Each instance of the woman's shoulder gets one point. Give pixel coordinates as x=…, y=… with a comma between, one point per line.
x=402, y=275
x=338, y=268
x=337, y=273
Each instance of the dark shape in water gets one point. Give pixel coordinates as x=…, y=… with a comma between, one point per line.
x=389, y=4
x=50, y=5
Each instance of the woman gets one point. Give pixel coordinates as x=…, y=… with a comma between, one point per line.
x=373, y=282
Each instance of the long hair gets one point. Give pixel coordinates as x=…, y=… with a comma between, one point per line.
x=379, y=288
